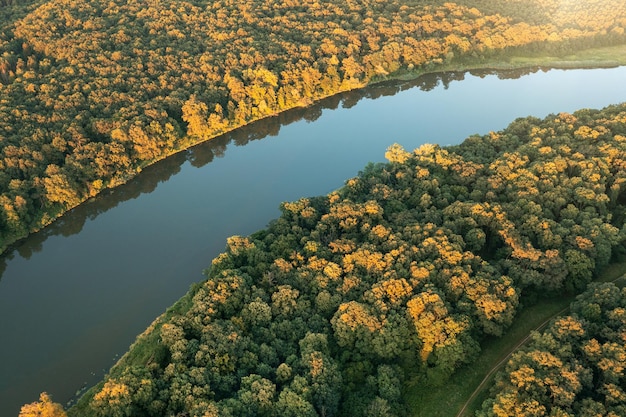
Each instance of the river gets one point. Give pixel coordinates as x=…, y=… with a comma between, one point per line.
x=74, y=296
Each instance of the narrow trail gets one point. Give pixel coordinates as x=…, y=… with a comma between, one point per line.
x=499, y=364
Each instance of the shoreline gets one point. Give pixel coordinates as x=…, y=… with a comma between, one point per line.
x=605, y=57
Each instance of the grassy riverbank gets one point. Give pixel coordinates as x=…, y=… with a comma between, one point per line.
x=589, y=58
x=448, y=401
x=606, y=57
x=141, y=353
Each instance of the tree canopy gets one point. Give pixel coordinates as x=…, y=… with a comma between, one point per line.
x=403, y=271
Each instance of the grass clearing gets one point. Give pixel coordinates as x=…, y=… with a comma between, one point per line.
x=588, y=58
x=604, y=57
x=446, y=401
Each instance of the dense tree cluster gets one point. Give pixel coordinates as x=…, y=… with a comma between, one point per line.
x=403, y=270
x=573, y=368
x=92, y=91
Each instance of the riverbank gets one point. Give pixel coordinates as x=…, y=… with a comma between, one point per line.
x=141, y=353
x=605, y=57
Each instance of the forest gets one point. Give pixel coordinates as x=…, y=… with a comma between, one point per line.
x=91, y=92
x=401, y=274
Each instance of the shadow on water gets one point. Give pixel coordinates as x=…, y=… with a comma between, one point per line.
x=198, y=156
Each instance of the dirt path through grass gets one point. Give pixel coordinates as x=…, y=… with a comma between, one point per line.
x=488, y=377
x=465, y=391
x=498, y=365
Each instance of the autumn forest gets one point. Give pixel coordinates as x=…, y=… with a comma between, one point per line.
x=92, y=91
x=398, y=276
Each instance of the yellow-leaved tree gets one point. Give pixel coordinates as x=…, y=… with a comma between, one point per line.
x=43, y=408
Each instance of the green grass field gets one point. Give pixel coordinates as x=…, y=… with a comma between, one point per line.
x=588, y=58
x=606, y=57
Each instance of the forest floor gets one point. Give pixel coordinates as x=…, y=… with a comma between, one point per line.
x=463, y=394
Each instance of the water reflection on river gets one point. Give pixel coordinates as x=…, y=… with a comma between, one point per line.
x=74, y=296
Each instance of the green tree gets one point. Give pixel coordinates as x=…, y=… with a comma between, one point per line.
x=291, y=404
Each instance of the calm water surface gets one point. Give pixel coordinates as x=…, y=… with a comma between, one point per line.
x=73, y=297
